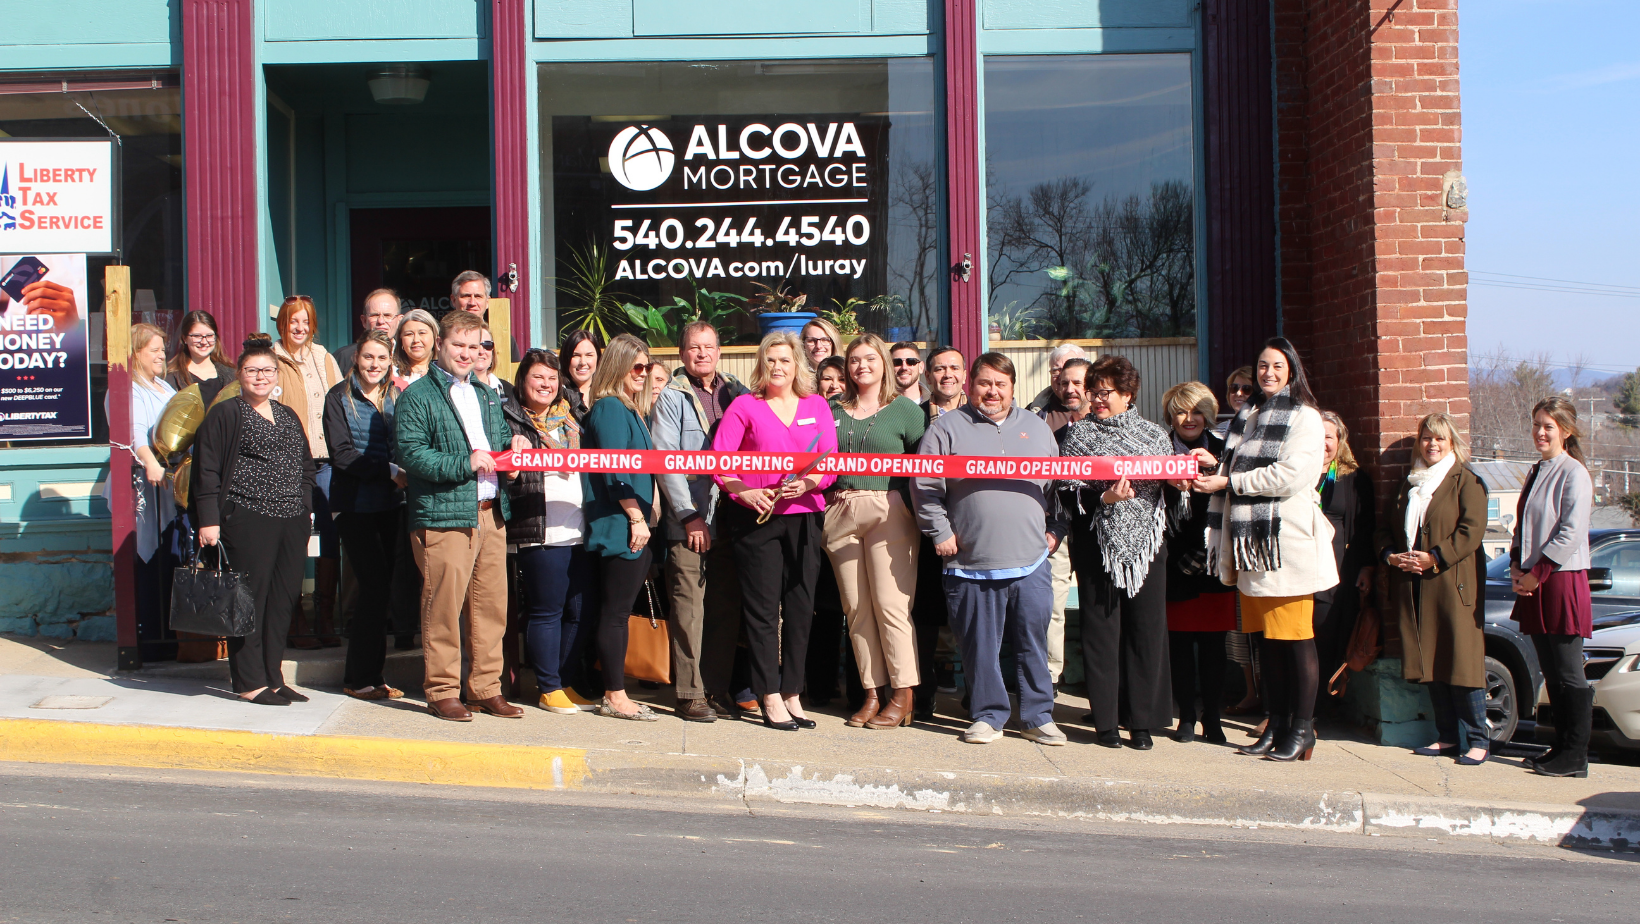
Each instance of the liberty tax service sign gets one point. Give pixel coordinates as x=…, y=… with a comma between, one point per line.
x=56, y=196
x=45, y=373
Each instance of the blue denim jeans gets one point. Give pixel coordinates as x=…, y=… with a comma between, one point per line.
x=1460, y=711
x=559, y=585
x=983, y=613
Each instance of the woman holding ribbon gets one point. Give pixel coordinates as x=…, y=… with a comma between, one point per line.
x=1270, y=539
x=1120, y=559
x=556, y=575
x=774, y=521
x=620, y=511
x=871, y=536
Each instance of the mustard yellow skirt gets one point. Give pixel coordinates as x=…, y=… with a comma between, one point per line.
x=1285, y=619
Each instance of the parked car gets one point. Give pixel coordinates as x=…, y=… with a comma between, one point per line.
x=1514, y=681
x=1611, y=661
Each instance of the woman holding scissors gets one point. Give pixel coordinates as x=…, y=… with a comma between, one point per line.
x=775, y=521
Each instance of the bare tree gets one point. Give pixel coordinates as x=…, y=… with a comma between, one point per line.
x=914, y=192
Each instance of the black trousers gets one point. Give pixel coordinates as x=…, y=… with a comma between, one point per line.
x=825, y=637
x=272, y=553
x=722, y=667
x=406, y=595
x=620, y=580
x=371, y=542
x=1124, y=643
x=1197, y=660
x=1561, y=657
x=779, y=564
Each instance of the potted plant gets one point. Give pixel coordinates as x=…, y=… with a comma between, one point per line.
x=778, y=309
x=845, y=317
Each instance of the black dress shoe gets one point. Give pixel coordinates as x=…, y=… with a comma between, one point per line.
x=291, y=695
x=1185, y=733
x=1111, y=738
x=1139, y=739
x=268, y=698
x=788, y=725
x=803, y=721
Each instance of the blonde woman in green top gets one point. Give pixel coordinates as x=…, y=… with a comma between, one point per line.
x=871, y=535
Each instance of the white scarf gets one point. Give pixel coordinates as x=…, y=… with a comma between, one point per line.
x=1424, y=479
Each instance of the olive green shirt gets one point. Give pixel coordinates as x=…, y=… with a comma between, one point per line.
x=896, y=428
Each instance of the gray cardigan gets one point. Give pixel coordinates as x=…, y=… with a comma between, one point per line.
x=999, y=523
x=1554, y=521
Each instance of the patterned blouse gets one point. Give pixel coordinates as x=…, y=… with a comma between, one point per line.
x=267, y=476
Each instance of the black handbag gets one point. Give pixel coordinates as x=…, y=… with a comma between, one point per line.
x=211, y=601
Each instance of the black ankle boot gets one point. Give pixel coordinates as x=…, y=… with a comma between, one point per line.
x=1573, y=759
x=1272, y=730
x=1558, y=714
x=1212, y=731
x=1185, y=731
x=1296, y=742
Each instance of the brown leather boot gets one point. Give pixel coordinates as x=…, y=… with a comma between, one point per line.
x=327, y=574
x=874, y=701
x=898, y=711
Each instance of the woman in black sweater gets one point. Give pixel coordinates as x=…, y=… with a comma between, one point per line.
x=1348, y=501
x=367, y=496
x=252, y=488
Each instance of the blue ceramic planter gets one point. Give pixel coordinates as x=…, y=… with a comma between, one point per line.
x=771, y=321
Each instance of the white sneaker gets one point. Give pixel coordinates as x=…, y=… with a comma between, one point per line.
x=981, y=733
x=1047, y=733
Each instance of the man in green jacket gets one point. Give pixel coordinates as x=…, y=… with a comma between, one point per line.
x=446, y=424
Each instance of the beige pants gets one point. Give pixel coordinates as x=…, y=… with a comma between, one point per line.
x=872, y=541
x=463, y=570
x=1060, y=561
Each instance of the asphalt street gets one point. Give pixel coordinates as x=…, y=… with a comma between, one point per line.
x=83, y=844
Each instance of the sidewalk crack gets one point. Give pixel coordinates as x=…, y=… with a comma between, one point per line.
x=1343, y=746
x=1051, y=762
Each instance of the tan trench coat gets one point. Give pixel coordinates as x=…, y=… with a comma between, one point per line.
x=1442, y=630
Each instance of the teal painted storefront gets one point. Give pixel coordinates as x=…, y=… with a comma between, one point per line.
x=328, y=153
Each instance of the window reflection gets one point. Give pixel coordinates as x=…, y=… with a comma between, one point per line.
x=1090, y=196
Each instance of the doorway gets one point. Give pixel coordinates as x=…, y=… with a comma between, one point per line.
x=416, y=252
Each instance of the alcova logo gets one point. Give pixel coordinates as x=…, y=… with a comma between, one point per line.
x=641, y=157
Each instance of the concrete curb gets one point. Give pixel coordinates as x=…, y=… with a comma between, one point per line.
x=754, y=781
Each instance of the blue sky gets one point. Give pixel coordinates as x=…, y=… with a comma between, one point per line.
x=1551, y=148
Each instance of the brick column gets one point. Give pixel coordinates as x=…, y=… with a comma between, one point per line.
x=963, y=174
x=1373, y=284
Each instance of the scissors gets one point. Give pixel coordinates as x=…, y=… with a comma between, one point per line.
x=801, y=473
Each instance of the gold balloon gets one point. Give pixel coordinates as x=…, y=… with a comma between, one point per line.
x=178, y=423
x=230, y=390
x=179, y=480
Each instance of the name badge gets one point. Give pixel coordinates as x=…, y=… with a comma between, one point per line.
x=805, y=421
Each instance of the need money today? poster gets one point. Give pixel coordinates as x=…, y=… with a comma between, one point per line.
x=45, y=372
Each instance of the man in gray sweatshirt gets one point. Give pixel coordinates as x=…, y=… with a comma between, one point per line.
x=994, y=536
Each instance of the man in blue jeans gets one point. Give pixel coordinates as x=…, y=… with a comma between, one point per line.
x=995, y=536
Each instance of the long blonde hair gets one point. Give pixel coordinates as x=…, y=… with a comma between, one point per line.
x=141, y=336
x=886, y=392
x=827, y=328
x=802, y=380
x=1442, y=424
x=615, y=366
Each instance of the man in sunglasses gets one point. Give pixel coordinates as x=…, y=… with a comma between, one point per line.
x=908, y=367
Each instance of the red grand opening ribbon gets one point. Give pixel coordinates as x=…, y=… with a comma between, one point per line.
x=666, y=462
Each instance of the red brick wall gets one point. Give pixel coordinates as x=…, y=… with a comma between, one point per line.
x=1372, y=272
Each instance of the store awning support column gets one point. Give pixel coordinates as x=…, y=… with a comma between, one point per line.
x=963, y=177
x=509, y=70
x=219, y=148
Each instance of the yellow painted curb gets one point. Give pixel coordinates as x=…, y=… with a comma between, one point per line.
x=390, y=760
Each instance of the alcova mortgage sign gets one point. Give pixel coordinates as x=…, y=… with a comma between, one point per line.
x=735, y=200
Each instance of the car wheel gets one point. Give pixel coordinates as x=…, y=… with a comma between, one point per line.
x=1502, y=705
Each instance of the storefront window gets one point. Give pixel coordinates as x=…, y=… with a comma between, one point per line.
x=819, y=179
x=1089, y=196
x=149, y=125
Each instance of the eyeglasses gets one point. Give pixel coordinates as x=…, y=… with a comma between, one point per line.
x=487, y=344
x=907, y=362
x=639, y=368
x=815, y=341
x=201, y=338
x=259, y=373
x=1103, y=394
x=1240, y=389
